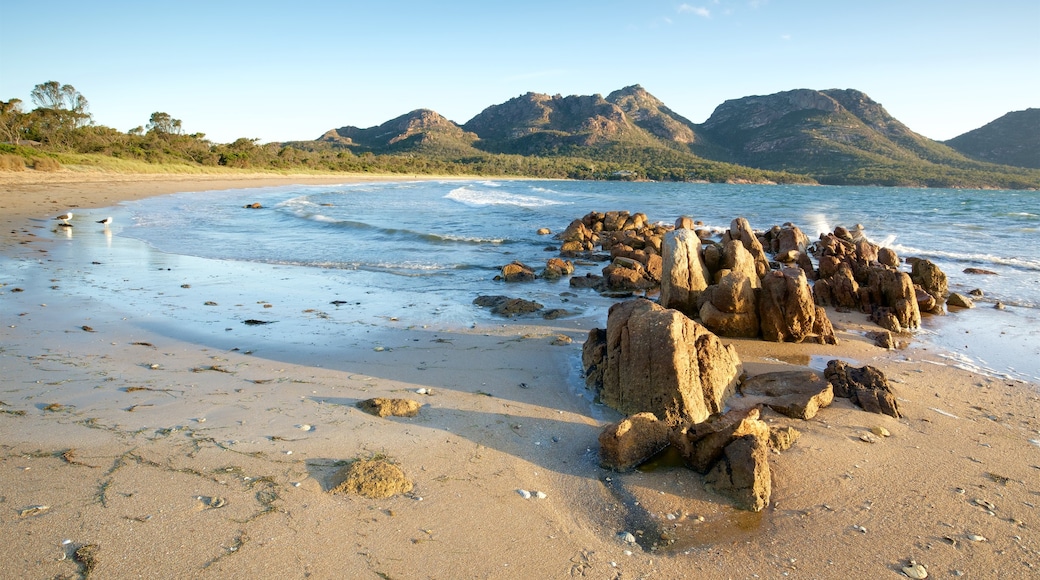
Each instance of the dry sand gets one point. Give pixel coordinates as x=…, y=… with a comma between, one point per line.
x=155, y=457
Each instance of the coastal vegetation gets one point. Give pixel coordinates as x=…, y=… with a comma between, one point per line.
x=830, y=137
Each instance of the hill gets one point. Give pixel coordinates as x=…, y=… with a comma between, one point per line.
x=1013, y=139
x=832, y=136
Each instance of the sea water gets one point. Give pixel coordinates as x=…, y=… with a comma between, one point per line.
x=424, y=250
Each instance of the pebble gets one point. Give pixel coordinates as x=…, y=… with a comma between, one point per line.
x=860, y=529
x=422, y=391
x=627, y=537
x=976, y=538
x=880, y=431
x=868, y=438
x=915, y=570
x=305, y=427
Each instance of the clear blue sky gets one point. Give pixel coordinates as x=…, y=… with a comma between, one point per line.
x=291, y=70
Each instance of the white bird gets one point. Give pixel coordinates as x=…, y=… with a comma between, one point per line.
x=105, y=221
x=65, y=217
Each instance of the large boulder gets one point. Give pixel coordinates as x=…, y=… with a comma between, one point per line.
x=797, y=394
x=786, y=309
x=517, y=272
x=632, y=441
x=684, y=275
x=736, y=258
x=895, y=290
x=865, y=386
x=556, y=268
x=838, y=289
x=743, y=473
x=660, y=361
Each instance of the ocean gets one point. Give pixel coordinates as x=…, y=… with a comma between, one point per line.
x=374, y=254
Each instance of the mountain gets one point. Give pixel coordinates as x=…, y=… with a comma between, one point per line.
x=1013, y=139
x=420, y=130
x=831, y=136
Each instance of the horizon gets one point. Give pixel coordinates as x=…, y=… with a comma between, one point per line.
x=231, y=71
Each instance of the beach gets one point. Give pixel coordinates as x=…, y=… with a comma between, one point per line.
x=159, y=453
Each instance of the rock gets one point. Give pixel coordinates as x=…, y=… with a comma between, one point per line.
x=838, y=289
x=925, y=301
x=371, y=478
x=865, y=386
x=556, y=268
x=632, y=441
x=740, y=229
x=543, y=231
x=931, y=278
x=786, y=309
x=254, y=205
x=883, y=339
x=684, y=223
x=381, y=407
x=894, y=290
x=822, y=328
x=888, y=257
x=958, y=300
x=594, y=359
x=791, y=239
x=517, y=272
x=736, y=258
x=506, y=306
x=657, y=360
x=743, y=473
x=730, y=308
x=588, y=281
x=702, y=444
x=980, y=272
x=797, y=394
x=782, y=438
x=684, y=275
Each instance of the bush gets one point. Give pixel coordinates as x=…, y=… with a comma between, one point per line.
x=11, y=163
x=46, y=164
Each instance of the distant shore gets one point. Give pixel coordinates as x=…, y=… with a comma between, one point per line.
x=178, y=459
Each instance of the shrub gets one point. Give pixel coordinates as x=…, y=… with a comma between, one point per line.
x=11, y=163
x=46, y=164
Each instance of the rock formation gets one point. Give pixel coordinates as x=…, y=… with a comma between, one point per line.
x=632, y=441
x=684, y=275
x=865, y=386
x=657, y=360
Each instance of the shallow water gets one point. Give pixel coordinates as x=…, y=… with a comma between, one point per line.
x=420, y=252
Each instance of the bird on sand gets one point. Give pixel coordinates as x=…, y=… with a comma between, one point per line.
x=65, y=217
x=105, y=221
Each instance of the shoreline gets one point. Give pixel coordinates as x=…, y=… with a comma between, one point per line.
x=121, y=452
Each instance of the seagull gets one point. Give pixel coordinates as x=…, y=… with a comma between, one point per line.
x=105, y=221
x=65, y=217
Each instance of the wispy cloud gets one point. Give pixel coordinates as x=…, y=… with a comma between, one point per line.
x=698, y=10
x=785, y=37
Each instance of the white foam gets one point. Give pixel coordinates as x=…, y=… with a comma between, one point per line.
x=479, y=198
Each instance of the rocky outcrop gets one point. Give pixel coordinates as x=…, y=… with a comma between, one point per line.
x=517, y=272
x=658, y=360
x=684, y=274
x=932, y=280
x=730, y=308
x=740, y=230
x=556, y=268
x=957, y=300
x=632, y=441
x=506, y=306
x=865, y=386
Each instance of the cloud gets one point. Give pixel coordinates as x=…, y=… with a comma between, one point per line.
x=698, y=10
x=785, y=37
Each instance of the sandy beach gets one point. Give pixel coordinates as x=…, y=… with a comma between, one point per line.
x=153, y=455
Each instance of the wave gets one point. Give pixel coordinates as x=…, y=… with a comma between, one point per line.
x=478, y=198
x=971, y=258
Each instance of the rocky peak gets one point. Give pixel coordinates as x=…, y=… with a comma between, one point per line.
x=756, y=111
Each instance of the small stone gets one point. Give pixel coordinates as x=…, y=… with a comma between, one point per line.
x=868, y=437
x=880, y=431
x=915, y=570
x=976, y=538
x=627, y=537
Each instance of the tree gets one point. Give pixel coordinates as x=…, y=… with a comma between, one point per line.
x=65, y=101
x=12, y=120
x=164, y=124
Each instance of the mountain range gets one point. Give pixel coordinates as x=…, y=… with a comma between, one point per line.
x=830, y=136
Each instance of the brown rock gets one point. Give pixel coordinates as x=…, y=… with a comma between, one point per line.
x=797, y=394
x=740, y=229
x=865, y=386
x=556, y=268
x=931, y=278
x=782, y=438
x=786, y=309
x=888, y=257
x=517, y=272
x=731, y=307
x=660, y=361
x=702, y=444
x=684, y=275
x=960, y=301
x=381, y=407
x=743, y=473
x=632, y=441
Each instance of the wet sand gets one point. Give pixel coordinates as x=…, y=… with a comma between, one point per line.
x=187, y=454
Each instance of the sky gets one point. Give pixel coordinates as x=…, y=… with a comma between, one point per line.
x=292, y=70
